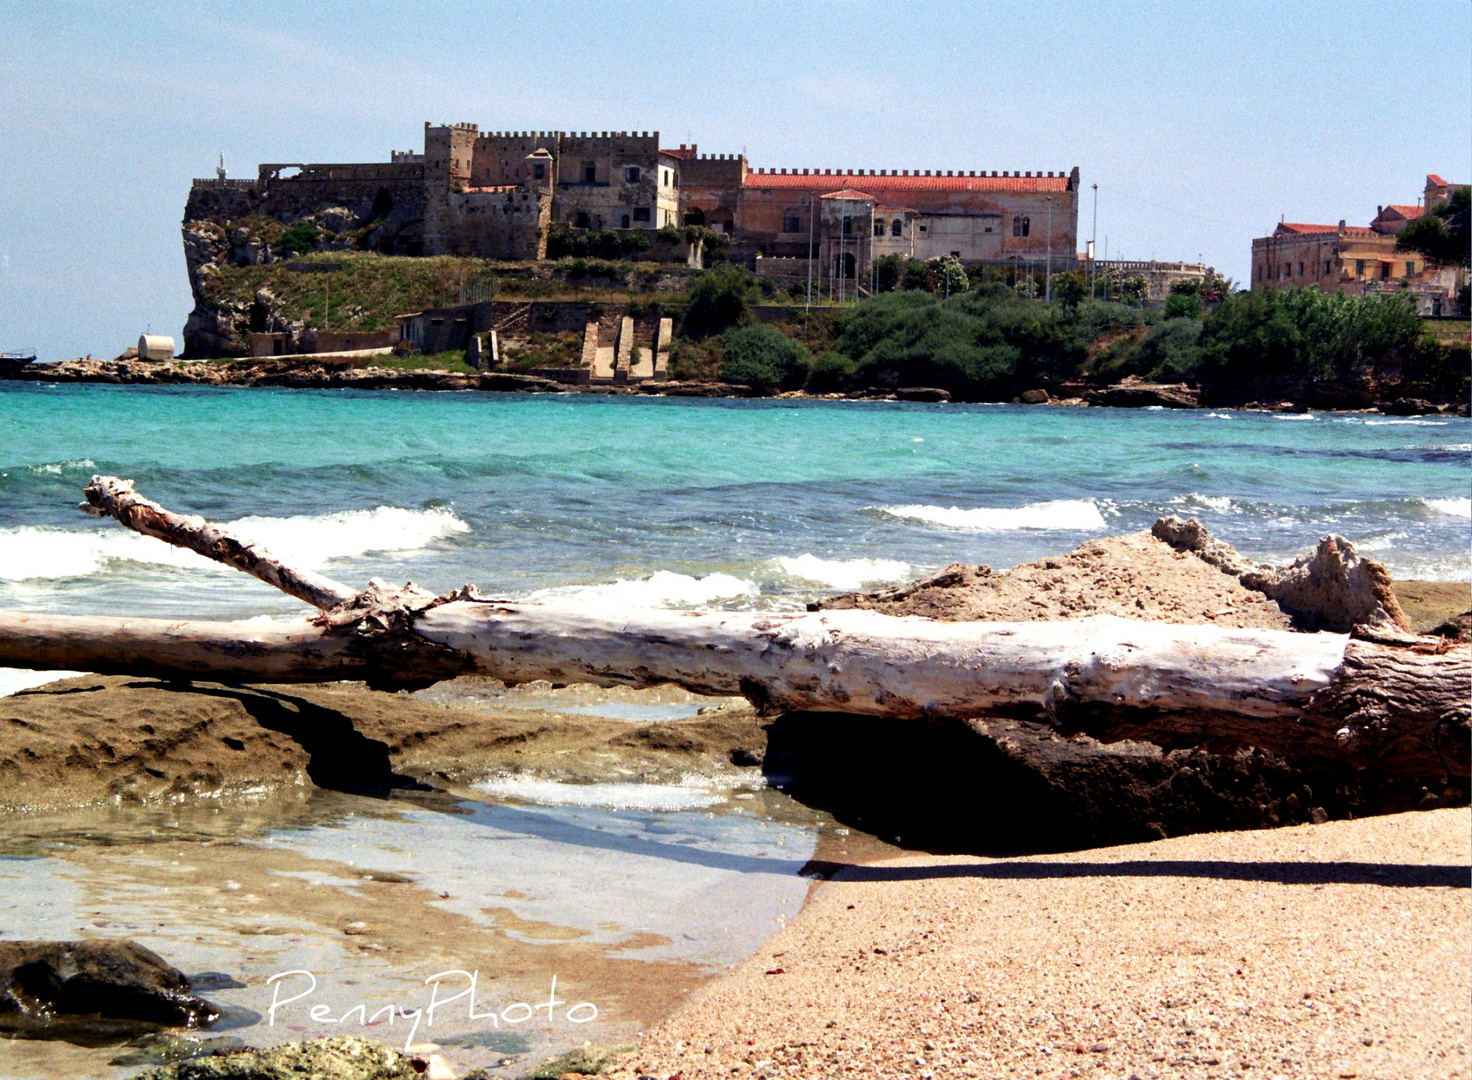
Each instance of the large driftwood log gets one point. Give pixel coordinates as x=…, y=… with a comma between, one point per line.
x=1316, y=695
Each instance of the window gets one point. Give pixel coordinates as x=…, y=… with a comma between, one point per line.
x=1022, y=226
x=791, y=223
x=1328, y=267
x=590, y=173
x=896, y=227
x=1359, y=268
x=539, y=172
x=632, y=174
x=1385, y=270
x=848, y=226
x=625, y=224
x=581, y=221
x=878, y=226
x=1300, y=268
x=1410, y=268
x=641, y=213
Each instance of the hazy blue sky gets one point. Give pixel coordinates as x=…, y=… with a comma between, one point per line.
x=1202, y=123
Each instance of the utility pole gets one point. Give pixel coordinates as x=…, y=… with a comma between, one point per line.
x=1093, y=239
x=1048, y=278
x=811, y=225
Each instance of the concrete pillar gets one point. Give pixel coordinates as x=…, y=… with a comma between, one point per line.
x=625, y=347
x=662, y=348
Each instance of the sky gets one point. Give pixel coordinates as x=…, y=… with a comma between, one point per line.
x=1203, y=124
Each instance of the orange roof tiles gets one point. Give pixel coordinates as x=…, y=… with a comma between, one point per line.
x=1410, y=213
x=849, y=193
x=1438, y=181
x=885, y=183
x=1300, y=227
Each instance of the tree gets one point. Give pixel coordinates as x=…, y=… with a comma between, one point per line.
x=1442, y=236
x=719, y=299
x=763, y=358
x=299, y=238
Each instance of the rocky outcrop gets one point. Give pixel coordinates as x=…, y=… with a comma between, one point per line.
x=1332, y=589
x=340, y=1059
x=326, y=374
x=70, y=989
x=1144, y=395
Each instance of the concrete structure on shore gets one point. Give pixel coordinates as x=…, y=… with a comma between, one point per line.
x=1356, y=259
x=500, y=194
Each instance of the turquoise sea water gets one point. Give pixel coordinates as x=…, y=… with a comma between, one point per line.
x=682, y=502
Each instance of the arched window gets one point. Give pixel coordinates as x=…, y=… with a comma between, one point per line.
x=878, y=226
x=896, y=227
x=625, y=224
x=581, y=221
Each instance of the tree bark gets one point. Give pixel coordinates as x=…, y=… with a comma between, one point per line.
x=1315, y=695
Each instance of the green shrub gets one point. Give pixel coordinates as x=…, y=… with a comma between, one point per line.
x=1183, y=305
x=1168, y=350
x=299, y=238
x=829, y=371
x=763, y=358
x=720, y=298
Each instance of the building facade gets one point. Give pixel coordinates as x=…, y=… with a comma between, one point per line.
x=1356, y=259
x=498, y=194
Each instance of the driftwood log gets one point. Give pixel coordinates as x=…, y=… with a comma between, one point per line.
x=1401, y=708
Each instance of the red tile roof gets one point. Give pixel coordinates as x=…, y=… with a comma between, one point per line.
x=872, y=183
x=684, y=153
x=1300, y=227
x=1410, y=213
x=1438, y=181
x=849, y=193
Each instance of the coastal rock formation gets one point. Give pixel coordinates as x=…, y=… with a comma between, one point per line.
x=340, y=1058
x=70, y=989
x=1332, y=589
x=1128, y=395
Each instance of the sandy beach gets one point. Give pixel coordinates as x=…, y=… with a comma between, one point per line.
x=1337, y=950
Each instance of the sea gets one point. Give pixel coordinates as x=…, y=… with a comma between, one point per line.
x=636, y=500
x=630, y=892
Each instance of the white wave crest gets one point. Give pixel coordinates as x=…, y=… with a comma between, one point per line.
x=31, y=551
x=1219, y=416
x=1060, y=515
x=1380, y=543
x=1294, y=416
x=844, y=573
x=1460, y=506
x=664, y=588
x=690, y=794
x=56, y=468
x=1220, y=503
x=1406, y=423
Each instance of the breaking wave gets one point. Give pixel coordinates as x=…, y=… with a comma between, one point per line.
x=1060, y=515
x=844, y=573
x=31, y=551
x=1460, y=506
x=1220, y=503
x=664, y=588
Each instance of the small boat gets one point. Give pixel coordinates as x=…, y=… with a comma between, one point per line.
x=11, y=363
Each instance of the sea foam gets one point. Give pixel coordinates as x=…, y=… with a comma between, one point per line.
x=14, y=680
x=1460, y=506
x=664, y=588
x=1060, y=515
x=844, y=573
x=31, y=551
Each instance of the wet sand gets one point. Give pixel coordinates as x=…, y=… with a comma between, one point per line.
x=1335, y=950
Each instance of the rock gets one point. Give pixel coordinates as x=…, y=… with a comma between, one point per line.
x=1332, y=589
x=1143, y=395
x=1034, y=397
x=504, y=381
x=339, y=1058
x=922, y=393
x=586, y=1060
x=1458, y=627
x=336, y=219
x=55, y=989
x=1409, y=407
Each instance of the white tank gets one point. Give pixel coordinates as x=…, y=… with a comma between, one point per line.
x=155, y=347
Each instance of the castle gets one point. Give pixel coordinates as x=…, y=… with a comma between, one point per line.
x=499, y=194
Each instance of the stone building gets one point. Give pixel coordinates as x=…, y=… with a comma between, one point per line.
x=1356, y=259
x=498, y=194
